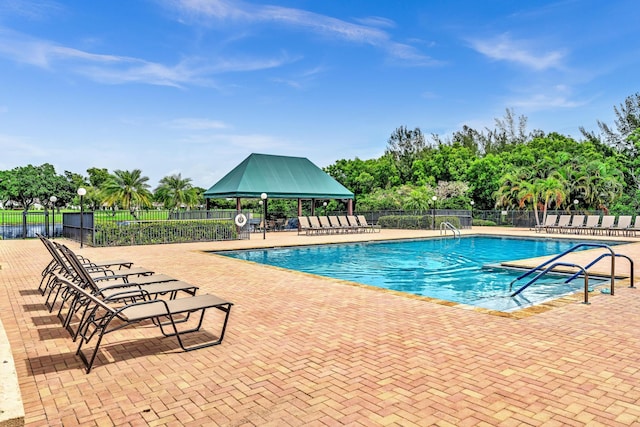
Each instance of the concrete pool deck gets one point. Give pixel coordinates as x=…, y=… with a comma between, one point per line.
x=304, y=350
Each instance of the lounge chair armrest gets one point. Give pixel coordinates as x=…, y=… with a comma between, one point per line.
x=130, y=286
x=130, y=293
x=146, y=302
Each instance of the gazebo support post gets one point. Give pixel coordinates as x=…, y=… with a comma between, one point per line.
x=350, y=206
x=299, y=212
x=238, y=204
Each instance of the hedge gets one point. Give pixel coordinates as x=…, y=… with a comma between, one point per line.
x=484, y=222
x=416, y=222
x=157, y=232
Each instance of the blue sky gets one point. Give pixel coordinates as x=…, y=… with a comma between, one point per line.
x=195, y=86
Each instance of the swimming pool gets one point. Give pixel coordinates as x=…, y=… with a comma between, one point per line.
x=458, y=270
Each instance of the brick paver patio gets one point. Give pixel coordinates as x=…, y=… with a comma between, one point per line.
x=302, y=350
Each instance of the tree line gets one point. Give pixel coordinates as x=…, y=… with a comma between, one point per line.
x=507, y=167
x=26, y=186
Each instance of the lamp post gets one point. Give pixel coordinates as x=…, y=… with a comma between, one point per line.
x=53, y=200
x=264, y=196
x=575, y=205
x=433, y=210
x=472, y=203
x=324, y=205
x=81, y=192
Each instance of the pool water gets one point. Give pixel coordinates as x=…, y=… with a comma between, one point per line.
x=452, y=269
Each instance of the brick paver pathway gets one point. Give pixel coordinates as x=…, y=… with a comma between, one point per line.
x=303, y=350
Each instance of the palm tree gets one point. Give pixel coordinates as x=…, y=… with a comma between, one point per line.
x=522, y=187
x=513, y=188
x=604, y=184
x=174, y=191
x=530, y=192
x=127, y=188
x=553, y=189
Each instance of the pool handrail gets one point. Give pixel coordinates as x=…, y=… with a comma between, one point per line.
x=444, y=225
x=631, y=268
x=572, y=249
x=550, y=268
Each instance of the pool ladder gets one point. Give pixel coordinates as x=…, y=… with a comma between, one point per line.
x=446, y=225
x=550, y=264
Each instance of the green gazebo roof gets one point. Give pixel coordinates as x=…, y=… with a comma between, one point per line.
x=281, y=177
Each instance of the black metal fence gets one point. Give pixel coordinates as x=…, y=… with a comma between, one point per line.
x=103, y=228
x=155, y=227
x=22, y=225
x=523, y=219
x=464, y=216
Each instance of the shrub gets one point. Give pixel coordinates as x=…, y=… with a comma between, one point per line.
x=416, y=222
x=155, y=232
x=483, y=222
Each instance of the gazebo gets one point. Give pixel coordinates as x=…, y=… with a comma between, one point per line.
x=279, y=177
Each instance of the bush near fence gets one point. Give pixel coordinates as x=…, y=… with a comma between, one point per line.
x=160, y=232
x=484, y=223
x=416, y=222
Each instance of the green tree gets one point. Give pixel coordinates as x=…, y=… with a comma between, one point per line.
x=553, y=191
x=626, y=122
x=484, y=176
x=30, y=184
x=128, y=189
x=404, y=147
x=175, y=192
x=98, y=176
x=604, y=184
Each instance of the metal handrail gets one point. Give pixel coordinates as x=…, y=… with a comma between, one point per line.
x=551, y=267
x=631, y=269
x=573, y=249
x=446, y=224
x=568, y=251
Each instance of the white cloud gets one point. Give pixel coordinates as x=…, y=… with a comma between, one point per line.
x=376, y=21
x=20, y=152
x=114, y=69
x=367, y=32
x=248, y=142
x=541, y=101
x=196, y=124
x=35, y=10
x=504, y=48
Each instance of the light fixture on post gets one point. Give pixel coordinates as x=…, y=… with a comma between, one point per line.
x=81, y=192
x=264, y=196
x=324, y=205
x=575, y=205
x=53, y=200
x=433, y=210
x=472, y=203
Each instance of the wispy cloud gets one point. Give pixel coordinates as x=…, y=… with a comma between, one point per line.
x=301, y=80
x=505, y=48
x=376, y=21
x=543, y=101
x=196, y=124
x=367, y=31
x=17, y=149
x=246, y=142
x=34, y=10
x=558, y=96
x=114, y=69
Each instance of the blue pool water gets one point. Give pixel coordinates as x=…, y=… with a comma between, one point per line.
x=457, y=270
